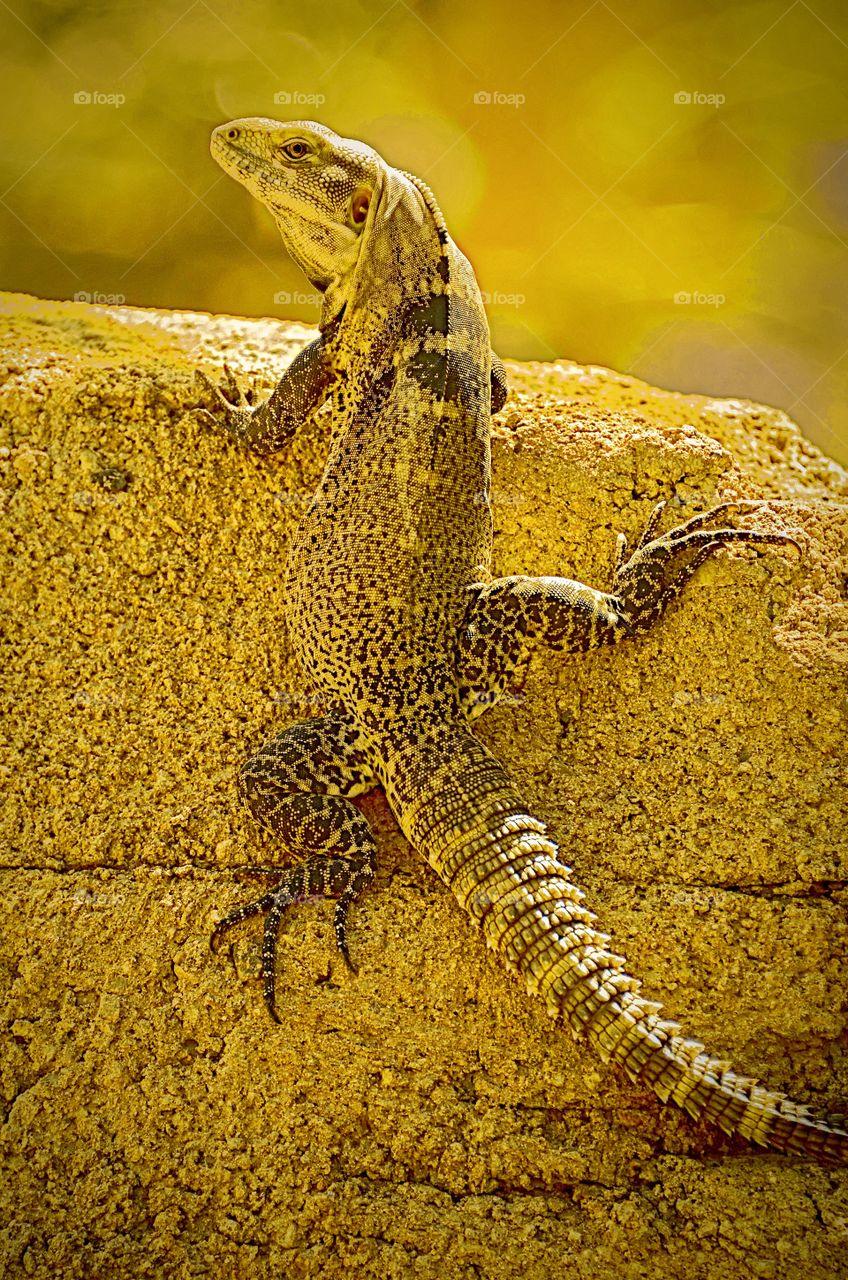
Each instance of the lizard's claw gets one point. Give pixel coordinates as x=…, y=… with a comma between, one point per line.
x=227, y=391
x=342, y=879
x=226, y=407
x=232, y=392
x=658, y=569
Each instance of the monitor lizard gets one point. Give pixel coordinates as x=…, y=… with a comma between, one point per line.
x=396, y=618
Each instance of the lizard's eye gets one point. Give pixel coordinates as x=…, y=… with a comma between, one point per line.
x=296, y=149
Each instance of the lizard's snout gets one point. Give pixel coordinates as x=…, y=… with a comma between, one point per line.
x=222, y=135
x=226, y=133
x=231, y=149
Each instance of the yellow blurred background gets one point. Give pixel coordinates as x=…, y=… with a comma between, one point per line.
x=661, y=187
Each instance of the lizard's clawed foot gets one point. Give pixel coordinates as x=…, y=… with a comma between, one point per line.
x=227, y=390
x=657, y=570
x=232, y=408
x=342, y=879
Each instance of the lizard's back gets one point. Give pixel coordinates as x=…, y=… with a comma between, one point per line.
x=400, y=524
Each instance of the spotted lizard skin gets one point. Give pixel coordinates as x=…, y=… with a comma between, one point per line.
x=396, y=619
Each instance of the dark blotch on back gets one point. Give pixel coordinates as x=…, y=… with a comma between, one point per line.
x=430, y=316
x=428, y=369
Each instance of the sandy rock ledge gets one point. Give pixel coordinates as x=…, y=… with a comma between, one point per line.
x=424, y=1119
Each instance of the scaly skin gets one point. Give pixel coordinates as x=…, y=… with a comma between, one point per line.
x=396, y=619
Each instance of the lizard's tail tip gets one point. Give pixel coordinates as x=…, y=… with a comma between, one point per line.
x=629, y=1032
x=536, y=919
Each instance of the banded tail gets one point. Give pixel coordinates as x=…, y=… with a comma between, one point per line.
x=505, y=870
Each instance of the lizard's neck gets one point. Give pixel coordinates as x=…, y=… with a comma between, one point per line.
x=400, y=256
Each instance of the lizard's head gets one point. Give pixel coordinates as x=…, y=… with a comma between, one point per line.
x=319, y=187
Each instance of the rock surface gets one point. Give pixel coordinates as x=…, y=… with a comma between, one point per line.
x=425, y=1118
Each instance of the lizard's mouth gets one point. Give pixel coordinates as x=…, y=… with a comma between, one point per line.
x=242, y=164
x=236, y=160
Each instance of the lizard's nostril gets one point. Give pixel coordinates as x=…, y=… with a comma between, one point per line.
x=232, y=134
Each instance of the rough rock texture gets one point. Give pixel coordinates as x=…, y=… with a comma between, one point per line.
x=424, y=1118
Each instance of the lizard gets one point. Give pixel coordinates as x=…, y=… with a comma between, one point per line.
x=396, y=618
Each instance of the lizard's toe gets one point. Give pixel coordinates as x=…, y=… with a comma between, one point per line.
x=230, y=389
x=204, y=385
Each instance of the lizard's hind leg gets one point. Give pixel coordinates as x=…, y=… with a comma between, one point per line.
x=298, y=786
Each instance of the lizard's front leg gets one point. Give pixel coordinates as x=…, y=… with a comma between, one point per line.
x=507, y=616
x=268, y=427
x=298, y=786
